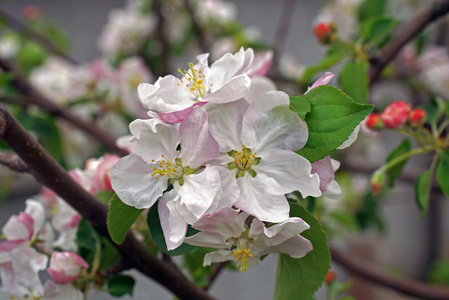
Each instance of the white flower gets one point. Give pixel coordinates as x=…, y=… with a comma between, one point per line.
x=225, y=81
x=228, y=229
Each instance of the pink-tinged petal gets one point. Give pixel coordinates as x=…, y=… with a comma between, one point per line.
x=333, y=191
x=165, y=95
x=102, y=179
x=323, y=80
x=180, y=115
x=227, y=222
x=37, y=211
x=232, y=90
x=46, y=238
x=172, y=223
x=296, y=247
x=262, y=197
x=267, y=126
x=325, y=171
x=8, y=246
x=61, y=277
x=207, y=239
x=283, y=231
x=351, y=139
x=291, y=171
x=261, y=64
x=198, y=145
x=66, y=240
x=152, y=145
x=26, y=263
x=19, y=227
x=65, y=267
x=225, y=122
x=229, y=66
x=259, y=86
x=132, y=181
x=217, y=256
x=198, y=192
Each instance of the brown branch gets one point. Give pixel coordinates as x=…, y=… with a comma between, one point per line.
x=436, y=10
x=49, y=173
x=368, y=272
x=33, y=34
x=14, y=163
x=35, y=98
x=201, y=35
x=288, y=9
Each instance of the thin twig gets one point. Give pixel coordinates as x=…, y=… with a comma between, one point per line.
x=368, y=272
x=410, y=30
x=30, y=32
x=49, y=173
x=14, y=163
x=282, y=31
x=35, y=98
x=201, y=35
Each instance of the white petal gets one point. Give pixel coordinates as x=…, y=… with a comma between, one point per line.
x=37, y=211
x=198, y=145
x=325, y=171
x=217, y=256
x=291, y=171
x=207, y=239
x=227, y=222
x=296, y=247
x=283, y=231
x=333, y=191
x=351, y=139
x=231, y=91
x=229, y=190
x=132, y=181
x=172, y=223
x=262, y=197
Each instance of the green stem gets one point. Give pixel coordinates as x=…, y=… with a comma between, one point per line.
x=440, y=129
x=405, y=156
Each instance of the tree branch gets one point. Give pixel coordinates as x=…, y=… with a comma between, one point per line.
x=35, y=98
x=49, y=173
x=368, y=272
x=438, y=9
x=14, y=163
x=22, y=27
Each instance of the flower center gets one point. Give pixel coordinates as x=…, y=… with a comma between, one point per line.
x=243, y=160
x=194, y=81
x=242, y=253
x=173, y=171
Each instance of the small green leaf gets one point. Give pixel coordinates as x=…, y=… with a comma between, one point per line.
x=354, y=80
x=299, y=279
x=119, y=285
x=332, y=119
x=446, y=109
x=422, y=191
x=120, y=218
x=443, y=172
x=104, y=196
x=394, y=172
x=110, y=256
x=86, y=236
x=301, y=105
x=158, y=235
x=377, y=30
x=371, y=8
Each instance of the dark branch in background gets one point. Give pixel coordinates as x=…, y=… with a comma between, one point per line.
x=162, y=37
x=33, y=97
x=407, y=33
x=201, y=35
x=14, y=163
x=49, y=173
x=409, y=287
x=33, y=34
x=280, y=38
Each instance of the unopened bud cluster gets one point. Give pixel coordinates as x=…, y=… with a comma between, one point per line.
x=395, y=115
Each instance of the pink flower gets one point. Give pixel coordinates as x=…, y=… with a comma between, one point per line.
x=65, y=267
x=396, y=114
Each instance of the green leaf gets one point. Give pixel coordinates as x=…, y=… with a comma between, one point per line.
x=110, y=256
x=422, y=191
x=446, y=109
x=30, y=55
x=354, y=80
x=120, y=218
x=158, y=235
x=86, y=236
x=331, y=121
x=394, y=172
x=300, y=105
x=371, y=8
x=443, y=172
x=104, y=196
x=298, y=279
x=377, y=30
x=119, y=285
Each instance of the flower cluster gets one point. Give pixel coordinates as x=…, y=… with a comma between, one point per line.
x=219, y=154
x=395, y=115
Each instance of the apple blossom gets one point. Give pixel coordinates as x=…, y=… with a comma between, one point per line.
x=395, y=114
x=258, y=139
x=224, y=81
x=65, y=267
x=140, y=178
x=227, y=229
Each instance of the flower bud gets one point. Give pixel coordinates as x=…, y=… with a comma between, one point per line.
x=325, y=33
x=377, y=182
x=31, y=12
x=330, y=277
x=374, y=122
x=396, y=114
x=417, y=117
x=65, y=267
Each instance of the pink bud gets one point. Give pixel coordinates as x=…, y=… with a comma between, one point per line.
x=396, y=114
x=65, y=267
x=374, y=122
x=325, y=33
x=377, y=182
x=417, y=117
